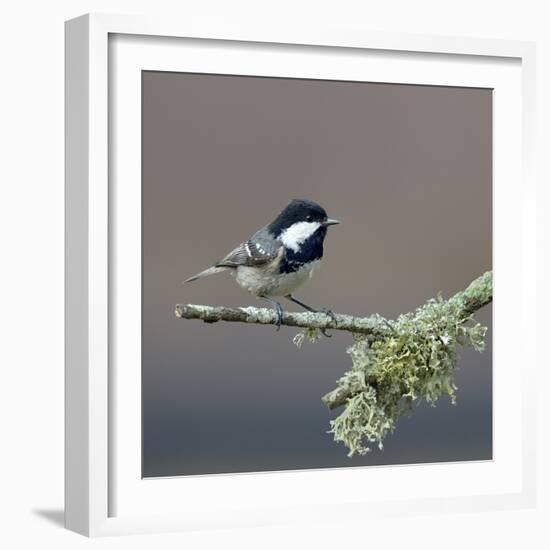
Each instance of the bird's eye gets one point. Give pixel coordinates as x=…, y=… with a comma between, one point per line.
x=309, y=218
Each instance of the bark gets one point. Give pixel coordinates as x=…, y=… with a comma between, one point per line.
x=478, y=294
x=375, y=325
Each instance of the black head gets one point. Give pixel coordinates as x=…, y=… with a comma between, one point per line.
x=299, y=210
x=301, y=227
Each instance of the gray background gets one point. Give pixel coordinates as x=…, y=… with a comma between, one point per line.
x=407, y=169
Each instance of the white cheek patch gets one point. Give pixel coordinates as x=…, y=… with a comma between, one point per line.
x=297, y=233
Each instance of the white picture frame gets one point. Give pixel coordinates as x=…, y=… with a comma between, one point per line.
x=104, y=490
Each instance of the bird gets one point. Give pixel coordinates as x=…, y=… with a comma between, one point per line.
x=280, y=257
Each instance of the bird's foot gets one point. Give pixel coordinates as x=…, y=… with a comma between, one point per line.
x=280, y=313
x=278, y=310
x=324, y=310
x=329, y=312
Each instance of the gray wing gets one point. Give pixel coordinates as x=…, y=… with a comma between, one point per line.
x=259, y=250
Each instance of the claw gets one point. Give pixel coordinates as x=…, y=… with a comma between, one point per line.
x=324, y=310
x=279, y=322
x=278, y=309
x=330, y=313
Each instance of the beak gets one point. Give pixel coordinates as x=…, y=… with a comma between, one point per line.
x=330, y=221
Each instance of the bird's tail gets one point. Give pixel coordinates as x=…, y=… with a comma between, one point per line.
x=205, y=273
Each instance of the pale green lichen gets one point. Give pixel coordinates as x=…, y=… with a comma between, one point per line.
x=416, y=361
x=258, y=315
x=311, y=334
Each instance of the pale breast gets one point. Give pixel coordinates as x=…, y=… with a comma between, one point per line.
x=267, y=281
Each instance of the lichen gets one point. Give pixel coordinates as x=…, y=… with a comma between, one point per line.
x=415, y=361
x=311, y=334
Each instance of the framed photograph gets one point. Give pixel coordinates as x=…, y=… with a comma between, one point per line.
x=337, y=208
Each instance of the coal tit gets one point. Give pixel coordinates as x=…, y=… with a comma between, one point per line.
x=281, y=256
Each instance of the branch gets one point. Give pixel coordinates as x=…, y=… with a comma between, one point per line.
x=478, y=294
x=375, y=325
